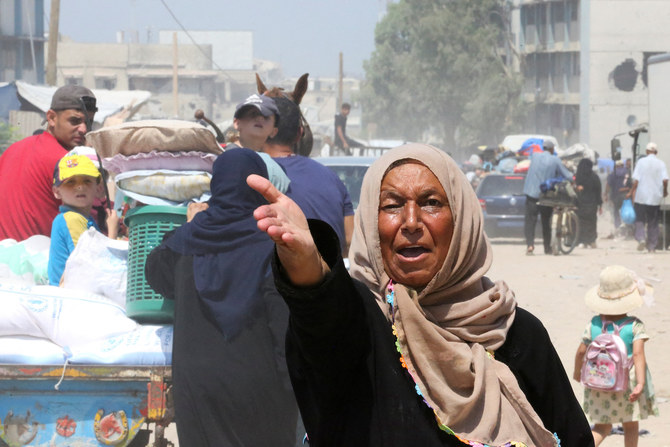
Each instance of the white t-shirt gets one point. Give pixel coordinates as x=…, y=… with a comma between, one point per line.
x=649, y=173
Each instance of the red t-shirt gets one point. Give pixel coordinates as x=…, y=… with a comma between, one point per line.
x=27, y=204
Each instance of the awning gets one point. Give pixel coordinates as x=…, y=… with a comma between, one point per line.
x=109, y=102
x=8, y=100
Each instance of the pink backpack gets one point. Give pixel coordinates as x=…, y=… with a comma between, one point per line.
x=606, y=364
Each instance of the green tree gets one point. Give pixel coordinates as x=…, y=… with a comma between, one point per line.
x=439, y=72
x=8, y=135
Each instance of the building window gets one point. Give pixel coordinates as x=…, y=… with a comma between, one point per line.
x=528, y=20
x=573, y=26
x=105, y=83
x=574, y=10
x=73, y=80
x=541, y=25
x=558, y=21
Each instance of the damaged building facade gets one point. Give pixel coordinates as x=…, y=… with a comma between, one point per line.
x=584, y=65
x=22, y=41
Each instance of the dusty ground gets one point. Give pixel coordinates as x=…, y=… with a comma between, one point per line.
x=553, y=288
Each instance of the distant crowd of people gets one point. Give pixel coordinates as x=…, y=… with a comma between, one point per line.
x=645, y=188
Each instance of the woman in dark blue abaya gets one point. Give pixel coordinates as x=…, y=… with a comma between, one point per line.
x=231, y=386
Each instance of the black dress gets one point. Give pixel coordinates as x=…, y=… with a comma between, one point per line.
x=589, y=200
x=352, y=389
x=227, y=392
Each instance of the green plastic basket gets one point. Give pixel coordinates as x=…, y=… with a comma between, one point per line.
x=146, y=227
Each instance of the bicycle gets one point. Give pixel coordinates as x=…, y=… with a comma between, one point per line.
x=562, y=198
x=564, y=229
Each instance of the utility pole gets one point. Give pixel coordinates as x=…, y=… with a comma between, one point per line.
x=51, y=77
x=340, y=84
x=175, y=77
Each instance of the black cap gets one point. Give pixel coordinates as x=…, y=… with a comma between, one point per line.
x=264, y=104
x=74, y=97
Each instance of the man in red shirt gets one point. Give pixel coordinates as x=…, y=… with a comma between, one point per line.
x=27, y=203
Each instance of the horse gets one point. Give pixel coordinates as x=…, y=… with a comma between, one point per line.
x=304, y=145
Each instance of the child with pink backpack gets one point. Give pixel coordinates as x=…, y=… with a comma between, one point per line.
x=610, y=360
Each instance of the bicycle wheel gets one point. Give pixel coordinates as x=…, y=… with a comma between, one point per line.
x=569, y=231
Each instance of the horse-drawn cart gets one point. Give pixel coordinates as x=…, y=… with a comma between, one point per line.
x=84, y=405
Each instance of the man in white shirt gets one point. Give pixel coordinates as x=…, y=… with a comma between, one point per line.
x=650, y=186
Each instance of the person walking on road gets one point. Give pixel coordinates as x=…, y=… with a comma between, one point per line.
x=589, y=202
x=650, y=187
x=620, y=291
x=617, y=187
x=543, y=166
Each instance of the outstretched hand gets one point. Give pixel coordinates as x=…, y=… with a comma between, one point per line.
x=285, y=223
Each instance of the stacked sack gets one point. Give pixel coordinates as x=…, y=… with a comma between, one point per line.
x=48, y=325
x=158, y=162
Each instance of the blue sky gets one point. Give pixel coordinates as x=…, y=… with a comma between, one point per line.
x=302, y=35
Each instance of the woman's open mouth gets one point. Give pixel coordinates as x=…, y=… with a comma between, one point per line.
x=412, y=252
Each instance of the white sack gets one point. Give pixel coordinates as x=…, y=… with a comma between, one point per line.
x=30, y=351
x=66, y=317
x=146, y=345
x=98, y=265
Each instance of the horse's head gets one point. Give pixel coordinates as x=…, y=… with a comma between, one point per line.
x=304, y=145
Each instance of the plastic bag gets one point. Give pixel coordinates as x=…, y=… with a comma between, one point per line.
x=627, y=212
x=26, y=260
x=560, y=193
x=98, y=265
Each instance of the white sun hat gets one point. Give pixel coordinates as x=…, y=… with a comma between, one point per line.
x=619, y=292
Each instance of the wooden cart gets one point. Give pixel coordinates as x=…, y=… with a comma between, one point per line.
x=84, y=405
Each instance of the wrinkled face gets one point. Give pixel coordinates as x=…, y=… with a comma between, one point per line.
x=415, y=224
x=79, y=192
x=253, y=126
x=68, y=126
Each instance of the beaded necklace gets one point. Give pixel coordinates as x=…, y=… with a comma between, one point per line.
x=390, y=299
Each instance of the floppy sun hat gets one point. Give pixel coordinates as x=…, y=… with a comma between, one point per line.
x=72, y=165
x=619, y=292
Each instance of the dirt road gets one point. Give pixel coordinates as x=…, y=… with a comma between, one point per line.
x=553, y=288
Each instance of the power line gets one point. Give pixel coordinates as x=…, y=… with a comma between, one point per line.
x=194, y=42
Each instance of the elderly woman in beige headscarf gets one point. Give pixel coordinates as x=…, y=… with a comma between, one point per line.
x=420, y=347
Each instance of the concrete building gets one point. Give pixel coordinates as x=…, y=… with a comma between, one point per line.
x=584, y=65
x=205, y=80
x=230, y=50
x=132, y=66
x=22, y=41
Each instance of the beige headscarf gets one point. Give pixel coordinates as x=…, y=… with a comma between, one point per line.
x=446, y=329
